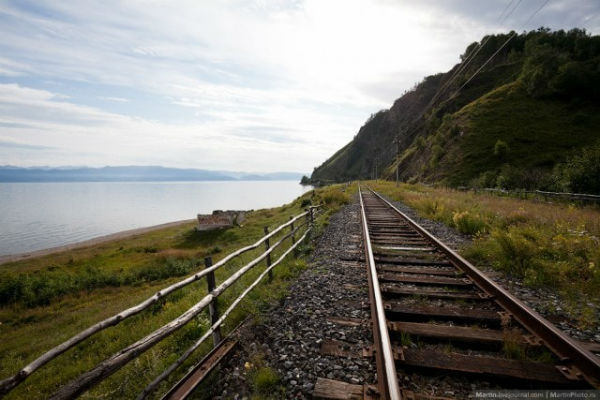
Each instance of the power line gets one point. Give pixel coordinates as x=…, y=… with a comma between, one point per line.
x=471, y=56
x=497, y=51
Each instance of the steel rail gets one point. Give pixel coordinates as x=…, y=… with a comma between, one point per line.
x=582, y=362
x=392, y=391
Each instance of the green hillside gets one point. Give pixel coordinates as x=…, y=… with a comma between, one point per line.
x=529, y=119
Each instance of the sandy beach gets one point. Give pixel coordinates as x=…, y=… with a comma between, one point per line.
x=90, y=242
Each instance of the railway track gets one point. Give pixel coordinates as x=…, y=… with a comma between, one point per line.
x=432, y=311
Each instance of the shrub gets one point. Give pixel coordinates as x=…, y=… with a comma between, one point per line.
x=305, y=203
x=516, y=252
x=582, y=172
x=501, y=149
x=484, y=180
x=265, y=380
x=468, y=223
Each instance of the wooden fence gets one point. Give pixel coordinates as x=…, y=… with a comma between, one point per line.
x=115, y=362
x=556, y=195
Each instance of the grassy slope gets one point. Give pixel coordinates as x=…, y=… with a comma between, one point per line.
x=539, y=133
x=549, y=245
x=26, y=332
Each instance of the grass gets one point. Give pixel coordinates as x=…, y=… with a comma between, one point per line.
x=265, y=380
x=512, y=345
x=56, y=296
x=537, y=133
x=552, y=245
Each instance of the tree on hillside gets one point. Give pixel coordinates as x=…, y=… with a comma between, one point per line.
x=582, y=171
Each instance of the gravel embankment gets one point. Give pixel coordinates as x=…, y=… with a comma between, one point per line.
x=291, y=337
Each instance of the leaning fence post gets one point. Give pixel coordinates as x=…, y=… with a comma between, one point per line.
x=267, y=245
x=293, y=237
x=212, y=307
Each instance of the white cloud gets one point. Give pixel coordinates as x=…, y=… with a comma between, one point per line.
x=115, y=99
x=265, y=85
x=94, y=137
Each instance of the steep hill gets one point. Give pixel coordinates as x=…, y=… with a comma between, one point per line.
x=523, y=121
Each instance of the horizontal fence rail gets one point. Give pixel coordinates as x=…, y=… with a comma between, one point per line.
x=118, y=360
x=557, y=195
x=152, y=386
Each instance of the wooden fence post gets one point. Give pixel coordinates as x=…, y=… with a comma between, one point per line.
x=267, y=245
x=308, y=222
x=212, y=307
x=293, y=238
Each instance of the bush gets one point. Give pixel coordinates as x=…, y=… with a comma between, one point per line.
x=305, y=203
x=436, y=154
x=515, y=178
x=516, y=251
x=578, y=79
x=501, y=149
x=468, y=223
x=265, y=380
x=486, y=179
x=582, y=172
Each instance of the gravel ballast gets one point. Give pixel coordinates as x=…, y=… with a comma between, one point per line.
x=334, y=286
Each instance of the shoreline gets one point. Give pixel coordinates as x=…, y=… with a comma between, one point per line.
x=90, y=242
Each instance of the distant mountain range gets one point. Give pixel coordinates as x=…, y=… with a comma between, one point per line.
x=133, y=173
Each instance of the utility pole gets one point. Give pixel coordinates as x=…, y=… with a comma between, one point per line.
x=376, y=167
x=398, y=160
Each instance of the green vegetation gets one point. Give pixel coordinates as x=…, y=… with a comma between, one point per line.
x=528, y=120
x=581, y=172
x=48, y=299
x=512, y=345
x=265, y=380
x=548, y=245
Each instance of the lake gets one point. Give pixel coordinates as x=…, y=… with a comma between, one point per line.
x=35, y=216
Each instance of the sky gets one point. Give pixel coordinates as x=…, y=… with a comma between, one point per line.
x=257, y=86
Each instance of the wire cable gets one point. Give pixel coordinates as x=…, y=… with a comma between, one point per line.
x=497, y=51
x=465, y=63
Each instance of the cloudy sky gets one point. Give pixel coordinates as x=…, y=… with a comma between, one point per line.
x=239, y=85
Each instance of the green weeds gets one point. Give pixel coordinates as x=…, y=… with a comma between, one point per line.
x=551, y=245
x=46, y=300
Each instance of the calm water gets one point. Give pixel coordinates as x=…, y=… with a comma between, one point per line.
x=36, y=216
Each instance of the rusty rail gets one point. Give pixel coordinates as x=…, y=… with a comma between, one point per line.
x=575, y=360
x=386, y=368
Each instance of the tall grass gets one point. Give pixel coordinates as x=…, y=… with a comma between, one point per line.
x=551, y=245
x=51, y=298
